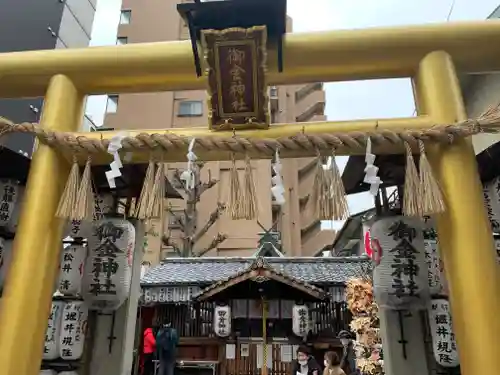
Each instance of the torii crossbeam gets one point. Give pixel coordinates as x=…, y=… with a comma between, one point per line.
x=431, y=55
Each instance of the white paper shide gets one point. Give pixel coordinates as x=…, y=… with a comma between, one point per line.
x=108, y=268
x=222, y=321
x=71, y=269
x=300, y=320
x=443, y=339
x=51, y=347
x=400, y=281
x=73, y=330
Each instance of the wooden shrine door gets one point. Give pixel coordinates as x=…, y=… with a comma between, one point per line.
x=246, y=358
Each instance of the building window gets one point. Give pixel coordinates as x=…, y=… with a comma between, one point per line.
x=121, y=40
x=112, y=104
x=125, y=17
x=190, y=108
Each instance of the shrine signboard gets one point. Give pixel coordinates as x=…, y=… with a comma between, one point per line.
x=236, y=61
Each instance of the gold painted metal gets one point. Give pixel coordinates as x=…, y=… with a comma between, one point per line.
x=310, y=57
x=252, y=43
x=28, y=291
x=465, y=236
x=275, y=131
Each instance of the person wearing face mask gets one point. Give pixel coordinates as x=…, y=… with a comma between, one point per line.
x=348, y=362
x=332, y=364
x=305, y=363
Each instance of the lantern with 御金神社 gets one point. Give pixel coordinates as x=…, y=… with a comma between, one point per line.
x=108, y=268
x=400, y=280
x=222, y=321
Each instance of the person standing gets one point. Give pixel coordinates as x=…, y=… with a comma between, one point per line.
x=305, y=363
x=149, y=350
x=167, y=340
x=332, y=364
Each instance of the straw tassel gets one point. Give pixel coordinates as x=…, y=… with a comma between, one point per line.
x=340, y=207
x=249, y=205
x=321, y=194
x=141, y=208
x=411, y=198
x=156, y=201
x=68, y=197
x=432, y=197
x=236, y=194
x=85, y=200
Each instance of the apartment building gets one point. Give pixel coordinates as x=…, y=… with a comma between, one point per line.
x=158, y=20
x=39, y=25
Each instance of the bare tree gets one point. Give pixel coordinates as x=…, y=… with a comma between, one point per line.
x=187, y=220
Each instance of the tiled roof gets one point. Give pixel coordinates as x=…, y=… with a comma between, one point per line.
x=195, y=271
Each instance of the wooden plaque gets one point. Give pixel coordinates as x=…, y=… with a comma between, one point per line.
x=236, y=70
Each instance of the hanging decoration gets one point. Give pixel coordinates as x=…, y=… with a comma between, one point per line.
x=366, y=326
x=71, y=269
x=51, y=347
x=236, y=192
x=371, y=170
x=68, y=199
x=340, y=208
x=108, y=268
x=431, y=196
x=115, y=145
x=277, y=189
x=249, y=204
x=188, y=175
x=222, y=321
x=321, y=195
x=5, y=259
x=411, y=201
x=73, y=330
x=443, y=338
x=371, y=245
x=10, y=197
x=300, y=320
x=400, y=280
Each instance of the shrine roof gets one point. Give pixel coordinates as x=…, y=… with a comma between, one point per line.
x=198, y=271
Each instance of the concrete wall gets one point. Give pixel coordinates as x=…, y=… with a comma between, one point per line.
x=39, y=25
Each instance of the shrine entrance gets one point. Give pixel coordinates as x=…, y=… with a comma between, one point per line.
x=245, y=53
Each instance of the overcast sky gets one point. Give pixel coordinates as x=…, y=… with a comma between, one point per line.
x=346, y=100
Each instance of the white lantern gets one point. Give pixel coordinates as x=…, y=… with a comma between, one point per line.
x=300, y=320
x=77, y=229
x=400, y=280
x=10, y=192
x=73, y=330
x=492, y=203
x=5, y=259
x=222, y=321
x=108, y=268
x=71, y=269
x=51, y=348
x=435, y=272
x=497, y=249
x=47, y=372
x=443, y=339
x=68, y=373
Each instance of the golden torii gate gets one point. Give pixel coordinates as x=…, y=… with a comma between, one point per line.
x=429, y=54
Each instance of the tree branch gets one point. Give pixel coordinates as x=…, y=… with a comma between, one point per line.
x=177, y=218
x=177, y=178
x=167, y=241
x=215, y=242
x=205, y=186
x=214, y=216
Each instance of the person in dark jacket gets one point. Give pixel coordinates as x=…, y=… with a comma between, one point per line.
x=305, y=364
